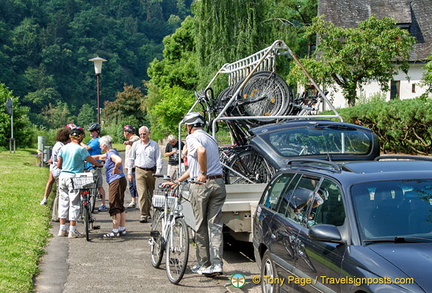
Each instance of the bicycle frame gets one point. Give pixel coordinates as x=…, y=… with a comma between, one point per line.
x=84, y=183
x=170, y=214
x=170, y=234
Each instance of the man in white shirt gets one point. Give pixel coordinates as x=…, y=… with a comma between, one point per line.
x=207, y=196
x=146, y=156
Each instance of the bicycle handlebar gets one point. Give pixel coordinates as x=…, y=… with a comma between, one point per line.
x=93, y=167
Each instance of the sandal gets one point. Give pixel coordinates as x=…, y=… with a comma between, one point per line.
x=111, y=234
x=122, y=232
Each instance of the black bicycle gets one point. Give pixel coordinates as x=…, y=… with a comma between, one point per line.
x=94, y=192
x=84, y=182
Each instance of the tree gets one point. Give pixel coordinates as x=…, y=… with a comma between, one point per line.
x=374, y=51
x=129, y=104
x=228, y=31
x=287, y=20
x=57, y=116
x=173, y=80
x=427, y=75
x=45, y=47
x=87, y=115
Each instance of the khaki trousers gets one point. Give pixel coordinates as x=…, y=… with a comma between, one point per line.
x=207, y=200
x=145, y=184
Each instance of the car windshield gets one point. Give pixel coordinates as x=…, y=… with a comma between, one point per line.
x=316, y=140
x=393, y=209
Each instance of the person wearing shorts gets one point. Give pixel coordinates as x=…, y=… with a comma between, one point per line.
x=71, y=161
x=62, y=138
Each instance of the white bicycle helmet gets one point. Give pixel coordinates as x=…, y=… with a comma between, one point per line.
x=194, y=118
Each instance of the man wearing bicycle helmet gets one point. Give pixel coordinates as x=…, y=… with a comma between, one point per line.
x=93, y=148
x=71, y=159
x=207, y=198
x=129, y=134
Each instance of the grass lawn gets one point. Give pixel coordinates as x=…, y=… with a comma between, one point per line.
x=24, y=223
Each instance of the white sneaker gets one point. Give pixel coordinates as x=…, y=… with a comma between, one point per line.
x=75, y=234
x=62, y=233
x=43, y=201
x=213, y=270
x=132, y=204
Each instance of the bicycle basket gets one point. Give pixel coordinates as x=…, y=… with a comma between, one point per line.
x=83, y=181
x=158, y=201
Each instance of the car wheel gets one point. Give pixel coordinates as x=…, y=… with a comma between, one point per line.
x=268, y=270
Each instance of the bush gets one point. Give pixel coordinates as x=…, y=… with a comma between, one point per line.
x=402, y=126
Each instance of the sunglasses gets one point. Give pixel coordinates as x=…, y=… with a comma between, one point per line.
x=145, y=133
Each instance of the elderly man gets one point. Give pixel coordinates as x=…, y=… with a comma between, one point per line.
x=146, y=156
x=173, y=150
x=207, y=195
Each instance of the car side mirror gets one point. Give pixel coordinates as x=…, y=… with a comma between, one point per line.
x=325, y=233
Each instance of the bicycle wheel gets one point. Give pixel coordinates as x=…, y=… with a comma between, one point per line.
x=177, y=251
x=157, y=242
x=87, y=221
x=248, y=164
x=265, y=94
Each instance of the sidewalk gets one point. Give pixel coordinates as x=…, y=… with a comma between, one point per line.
x=122, y=264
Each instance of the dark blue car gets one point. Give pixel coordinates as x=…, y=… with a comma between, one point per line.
x=363, y=226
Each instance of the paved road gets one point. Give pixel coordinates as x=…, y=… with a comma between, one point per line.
x=123, y=264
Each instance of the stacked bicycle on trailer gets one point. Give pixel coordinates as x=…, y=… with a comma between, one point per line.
x=256, y=95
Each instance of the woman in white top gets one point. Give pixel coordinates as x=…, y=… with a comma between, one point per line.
x=62, y=138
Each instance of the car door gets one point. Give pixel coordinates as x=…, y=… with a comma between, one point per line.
x=286, y=226
x=321, y=261
x=267, y=209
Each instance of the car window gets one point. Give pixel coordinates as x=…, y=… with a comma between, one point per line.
x=275, y=191
x=312, y=201
x=328, y=205
x=320, y=140
x=297, y=197
x=389, y=209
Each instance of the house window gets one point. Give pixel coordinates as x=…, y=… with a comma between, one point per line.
x=395, y=90
x=413, y=88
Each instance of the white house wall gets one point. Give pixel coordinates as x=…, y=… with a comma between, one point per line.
x=370, y=89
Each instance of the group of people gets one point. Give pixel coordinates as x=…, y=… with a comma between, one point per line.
x=143, y=158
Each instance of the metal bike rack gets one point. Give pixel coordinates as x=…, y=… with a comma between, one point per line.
x=246, y=67
x=242, y=71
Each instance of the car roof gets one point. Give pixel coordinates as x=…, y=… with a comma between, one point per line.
x=305, y=123
x=373, y=167
x=365, y=171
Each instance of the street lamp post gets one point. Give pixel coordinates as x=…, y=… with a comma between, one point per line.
x=98, y=70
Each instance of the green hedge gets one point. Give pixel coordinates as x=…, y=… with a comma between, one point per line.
x=402, y=126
